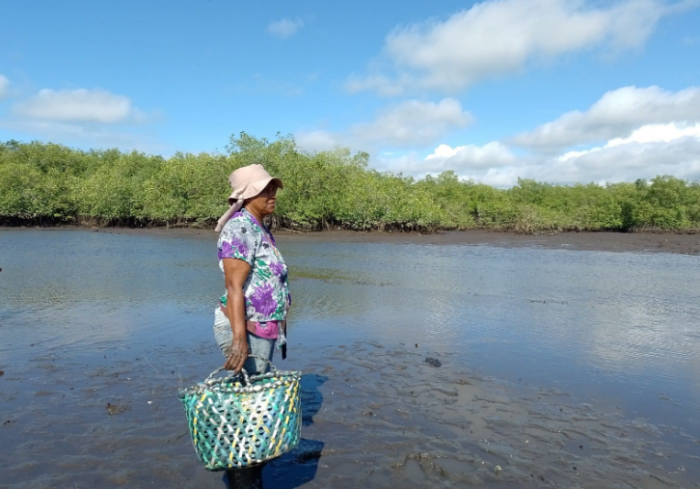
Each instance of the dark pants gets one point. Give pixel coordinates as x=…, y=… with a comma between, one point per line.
x=246, y=478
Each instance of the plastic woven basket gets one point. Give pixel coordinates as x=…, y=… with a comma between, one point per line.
x=242, y=421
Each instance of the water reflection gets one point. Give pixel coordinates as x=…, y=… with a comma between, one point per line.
x=295, y=468
x=311, y=397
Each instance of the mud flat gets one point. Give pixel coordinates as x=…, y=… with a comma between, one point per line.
x=374, y=416
x=687, y=244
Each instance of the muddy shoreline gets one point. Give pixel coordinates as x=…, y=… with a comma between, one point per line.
x=686, y=244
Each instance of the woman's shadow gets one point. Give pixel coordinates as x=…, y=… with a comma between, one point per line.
x=298, y=466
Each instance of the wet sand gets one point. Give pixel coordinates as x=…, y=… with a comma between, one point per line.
x=374, y=416
x=687, y=244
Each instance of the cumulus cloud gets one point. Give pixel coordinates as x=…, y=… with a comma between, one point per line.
x=408, y=124
x=627, y=159
x=4, y=86
x=615, y=115
x=497, y=37
x=85, y=118
x=467, y=162
x=284, y=28
x=629, y=133
x=79, y=105
x=652, y=133
x=651, y=150
x=469, y=157
x=655, y=149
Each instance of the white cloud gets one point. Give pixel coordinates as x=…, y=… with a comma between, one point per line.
x=635, y=133
x=79, y=105
x=652, y=133
x=285, y=27
x=84, y=118
x=468, y=162
x=658, y=133
x=615, y=115
x=628, y=159
x=652, y=150
x=498, y=37
x=469, y=157
x=408, y=124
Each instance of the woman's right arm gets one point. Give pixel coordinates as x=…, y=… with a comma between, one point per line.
x=235, y=274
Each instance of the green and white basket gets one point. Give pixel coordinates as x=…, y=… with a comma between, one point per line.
x=242, y=421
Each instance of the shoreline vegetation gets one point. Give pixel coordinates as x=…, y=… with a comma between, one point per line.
x=46, y=184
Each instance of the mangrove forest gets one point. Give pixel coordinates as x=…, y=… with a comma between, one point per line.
x=49, y=184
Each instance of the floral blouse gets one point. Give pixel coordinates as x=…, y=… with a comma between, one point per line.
x=266, y=289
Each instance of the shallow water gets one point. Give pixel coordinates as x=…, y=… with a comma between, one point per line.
x=551, y=359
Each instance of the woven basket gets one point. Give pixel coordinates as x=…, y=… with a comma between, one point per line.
x=242, y=421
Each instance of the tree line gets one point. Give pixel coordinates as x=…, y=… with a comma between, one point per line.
x=48, y=184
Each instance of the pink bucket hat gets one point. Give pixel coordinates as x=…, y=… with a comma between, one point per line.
x=246, y=182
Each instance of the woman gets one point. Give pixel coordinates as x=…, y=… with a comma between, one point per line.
x=251, y=316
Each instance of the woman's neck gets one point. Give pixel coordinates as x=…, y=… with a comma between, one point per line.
x=256, y=215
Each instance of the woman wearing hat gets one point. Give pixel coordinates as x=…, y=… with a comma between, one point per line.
x=251, y=316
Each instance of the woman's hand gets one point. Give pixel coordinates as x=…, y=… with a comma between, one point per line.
x=238, y=355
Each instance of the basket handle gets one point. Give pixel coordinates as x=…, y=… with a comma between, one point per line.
x=243, y=372
x=272, y=367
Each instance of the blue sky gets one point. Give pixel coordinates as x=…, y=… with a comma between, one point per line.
x=557, y=90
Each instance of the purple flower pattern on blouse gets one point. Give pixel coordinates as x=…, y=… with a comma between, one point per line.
x=277, y=268
x=227, y=247
x=262, y=300
x=266, y=289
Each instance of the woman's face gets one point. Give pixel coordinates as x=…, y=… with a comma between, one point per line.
x=264, y=202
